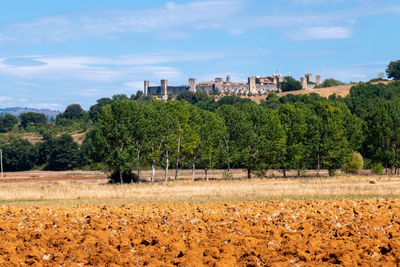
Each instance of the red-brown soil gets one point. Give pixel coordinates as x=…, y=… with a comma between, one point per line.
x=274, y=233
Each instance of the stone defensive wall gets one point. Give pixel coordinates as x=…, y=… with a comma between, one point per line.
x=254, y=86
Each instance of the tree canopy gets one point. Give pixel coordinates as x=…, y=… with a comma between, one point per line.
x=393, y=70
x=289, y=84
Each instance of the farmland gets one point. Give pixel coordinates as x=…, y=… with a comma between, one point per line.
x=347, y=232
x=76, y=217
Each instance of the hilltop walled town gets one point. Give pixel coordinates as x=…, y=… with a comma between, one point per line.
x=255, y=86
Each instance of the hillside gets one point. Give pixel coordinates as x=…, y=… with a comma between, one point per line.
x=341, y=90
x=16, y=111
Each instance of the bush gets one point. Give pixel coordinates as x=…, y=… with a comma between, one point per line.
x=354, y=163
x=377, y=168
x=127, y=177
x=227, y=175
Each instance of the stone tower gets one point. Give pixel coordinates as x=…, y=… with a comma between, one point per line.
x=303, y=81
x=309, y=77
x=252, y=84
x=146, y=87
x=192, y=85
x=164, y=89
x=228, y=79
x=318, y=79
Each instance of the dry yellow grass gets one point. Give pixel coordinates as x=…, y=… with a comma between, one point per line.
x=97, y=191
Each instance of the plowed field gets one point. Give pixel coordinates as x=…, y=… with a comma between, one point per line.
x=268, y=233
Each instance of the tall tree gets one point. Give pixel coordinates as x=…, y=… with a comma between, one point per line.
x=383, y=134
x=327, y=142
x=211, y=133
x=293, y=120
x=112, y=139
x=64, y=154
x=393, y=70
x=18, y=155
x=32, y=118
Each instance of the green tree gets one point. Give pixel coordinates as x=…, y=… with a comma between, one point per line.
x=113, y=139
x=393, y=70
x=289, y=84
x=353, y=163
x=383, y=134
x=211, y=133
x=327, y=143
x=158, y=134
x=32, y=119
x=329, y=83
x=73, y=112
x=64, y=154
x=18, y=155
x=265, y=140
x=238, y=129
x=94, y=110
x=7, y=122
x=293, y=120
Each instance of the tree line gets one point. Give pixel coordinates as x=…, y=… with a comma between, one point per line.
x=294, y=132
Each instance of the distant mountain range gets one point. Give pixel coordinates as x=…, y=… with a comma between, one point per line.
x=17, y=111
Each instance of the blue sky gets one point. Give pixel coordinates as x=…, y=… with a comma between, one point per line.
x=54, y=53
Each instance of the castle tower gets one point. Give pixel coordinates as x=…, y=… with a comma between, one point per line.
x=303, y=81
x=318, y=79
x=309, y=77
x=192, y=85
x=146, y=87
x=252, y=84
x=228, y=79
x=164, y=89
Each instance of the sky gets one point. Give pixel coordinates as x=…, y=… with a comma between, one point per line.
x=55, y=53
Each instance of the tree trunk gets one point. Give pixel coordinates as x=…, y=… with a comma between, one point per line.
x=166, y=167
x=206, y=173
x=120, y=177
x=193, y=169
x=138, y=168
x=248, y=173
x=153, y=171
x=284, y=173
x=298, y=173
x=177, y=159
x=318, y=165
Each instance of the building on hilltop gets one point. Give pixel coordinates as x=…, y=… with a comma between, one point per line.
x=307, y=81
x=255, y=85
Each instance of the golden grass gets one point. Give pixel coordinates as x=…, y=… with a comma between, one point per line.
x=97, y=191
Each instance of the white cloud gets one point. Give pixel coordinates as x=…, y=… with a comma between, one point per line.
x=90, y=92
x=176, y=21
x=51, y=106
x=200, y=15
x=356, y=72
x=105, y=69
x=5, y=99
x=320, y=33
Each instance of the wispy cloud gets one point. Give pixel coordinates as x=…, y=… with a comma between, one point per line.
x=4, y=99
x=97, y=23
x=356, y=72
x=173, y=21
x=103, y=69
x=320, y=33
x=51, y=106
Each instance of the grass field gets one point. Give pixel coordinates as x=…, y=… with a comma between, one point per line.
x=79, y=187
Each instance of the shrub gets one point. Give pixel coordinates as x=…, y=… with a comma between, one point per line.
x=227, y=175
x=377, y=168
x=127, y=177
x=354, y=163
